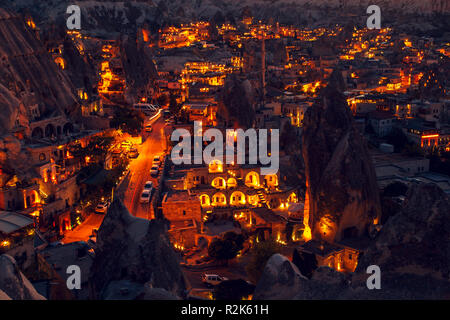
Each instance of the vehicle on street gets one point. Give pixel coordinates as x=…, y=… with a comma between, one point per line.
x=145, y=196
x=133, y=153
x=102, y=207
x=154, y=171
x=148, y=186
x=212, y=279
x=148, y=128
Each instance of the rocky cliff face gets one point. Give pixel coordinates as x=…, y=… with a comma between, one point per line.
x=13, y=284
x=28, y=76
x=119, y=16
x=341, y=184
x=412, y=251
x=416, y=240
x=139, y=69
x=281, y=279
x=135, y=249
x=236, y=102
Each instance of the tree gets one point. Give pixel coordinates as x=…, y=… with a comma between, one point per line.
x=233, y=290
x=96, y=149
x=305, y=262
x=259, y=256
x=128, y=120
x=226, y=248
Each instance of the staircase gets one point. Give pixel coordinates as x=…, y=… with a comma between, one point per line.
x=262, y=197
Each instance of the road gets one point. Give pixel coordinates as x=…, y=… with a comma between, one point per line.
x=84, y=230
x=233, y=271
x=153, y=144
x=140, y=173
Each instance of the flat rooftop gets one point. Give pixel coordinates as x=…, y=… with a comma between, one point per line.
x=11, y=221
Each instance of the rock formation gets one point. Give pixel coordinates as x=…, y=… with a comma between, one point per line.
x=236, y=102
x=416, y=240
x=134, y=249
x=139, y=69
x=412, y=251
x=13, y=284
x=27, y=70
x=281, y=279
x=342, y=191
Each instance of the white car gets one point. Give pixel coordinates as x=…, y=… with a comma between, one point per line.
x=154, y=170
x=148, y=186
x=212, y=279
x=102, y=207
x=145, y=196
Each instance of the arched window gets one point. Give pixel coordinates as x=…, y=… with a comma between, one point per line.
x=231, y=182
x=204, y=200
x=219, y=199
x=271, y=180
x=215, y=166
x=237, y=198
x=252, y=179
x=219, y=183
x=42, y=157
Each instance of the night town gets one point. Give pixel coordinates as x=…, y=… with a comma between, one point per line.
x=109, y=108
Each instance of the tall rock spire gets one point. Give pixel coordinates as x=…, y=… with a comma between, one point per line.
x=342, y=191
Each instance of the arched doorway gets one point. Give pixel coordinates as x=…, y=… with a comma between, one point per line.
x=252, y=179
x=237, y=198
x=215, y=166
x=204, y=200
x=219, y=183
x=68, y=128
x=219, y=199
x=37, y=133
x=50, y=131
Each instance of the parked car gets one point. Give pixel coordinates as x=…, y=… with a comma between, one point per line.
x=212, y=279
x=102, y=207
x=133, y=153
x=148, y=128
x=148, y=186
x=145, y=196
x=154, y=171
x=156, y=161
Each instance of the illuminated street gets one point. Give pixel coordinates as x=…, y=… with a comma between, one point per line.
x=140, y=169
x=310, y=143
